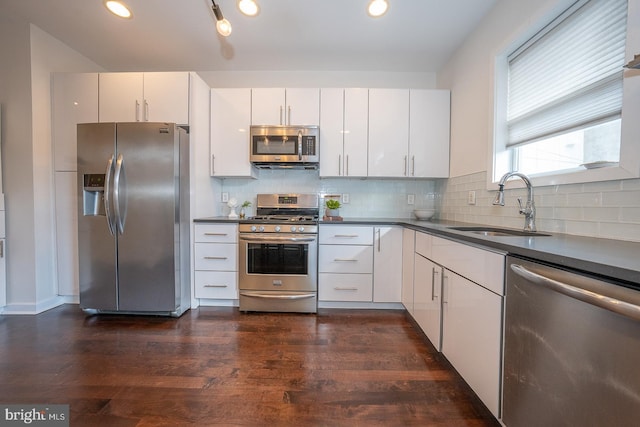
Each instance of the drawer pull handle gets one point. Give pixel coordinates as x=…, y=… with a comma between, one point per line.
x=345, y=260
x=216, y=286
x=337, y=288
x=215, y=234
x=345, y=235
x=216, y=257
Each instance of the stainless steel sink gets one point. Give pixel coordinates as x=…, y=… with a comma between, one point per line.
x=498, y=232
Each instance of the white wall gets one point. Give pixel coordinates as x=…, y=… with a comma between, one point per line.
x=608, y=209
x=469, y=75
x=366, y=79
x=28, y=170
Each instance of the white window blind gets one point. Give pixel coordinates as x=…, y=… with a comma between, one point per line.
x=568, y=76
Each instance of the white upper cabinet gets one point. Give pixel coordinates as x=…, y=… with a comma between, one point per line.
x=409, y=133
x=167, y=97
x=230, y=119
x=429, y=119
x=278, y=106
x=74, y=100
x=144, y=97
x=343, y=132
x=388, y=132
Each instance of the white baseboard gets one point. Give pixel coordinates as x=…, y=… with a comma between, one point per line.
x=34, y=308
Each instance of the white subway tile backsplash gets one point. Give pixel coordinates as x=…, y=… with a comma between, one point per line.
x=584, y=199
x=608, y=209
x=631, y=184
x=368, y=198
x=621, y=198
x=620, y=231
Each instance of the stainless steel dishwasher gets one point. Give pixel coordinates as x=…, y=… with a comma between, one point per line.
x=572, y=349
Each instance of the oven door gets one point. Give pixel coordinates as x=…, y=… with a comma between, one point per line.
x=278, y=263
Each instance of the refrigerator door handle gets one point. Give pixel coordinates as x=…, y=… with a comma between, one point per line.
x=107, y=196
x=117, y=205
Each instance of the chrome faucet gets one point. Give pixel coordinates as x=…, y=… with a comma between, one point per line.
x=529, y=210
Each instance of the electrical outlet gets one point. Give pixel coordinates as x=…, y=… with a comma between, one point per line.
x=345, y=198
x=411, y=199
x=225, y=197
x=471, y=198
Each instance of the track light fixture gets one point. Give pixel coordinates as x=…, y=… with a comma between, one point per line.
x=377, y=8
x=222, y=24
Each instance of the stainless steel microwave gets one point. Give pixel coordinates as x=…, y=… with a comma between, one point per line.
x=285, y=146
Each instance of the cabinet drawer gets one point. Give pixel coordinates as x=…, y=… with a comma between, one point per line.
x=216, y=256
x=423, y=244
x=345, y=235
x=345, y=259
x=484, y=267
x=216, y=233
x=345, y=287
x=216, y=284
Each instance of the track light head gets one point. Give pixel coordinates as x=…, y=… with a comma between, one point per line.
x=223, y=26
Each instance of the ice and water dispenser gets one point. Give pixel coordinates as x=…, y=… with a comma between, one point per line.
x=93, y=194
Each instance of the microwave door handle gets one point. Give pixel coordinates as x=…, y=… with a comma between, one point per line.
x=300, y=145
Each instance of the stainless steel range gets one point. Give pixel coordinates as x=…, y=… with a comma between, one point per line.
x=279, y=255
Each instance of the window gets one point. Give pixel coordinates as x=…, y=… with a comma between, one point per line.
x=564, y=92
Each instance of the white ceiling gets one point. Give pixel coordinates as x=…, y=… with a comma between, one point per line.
x=321, y=35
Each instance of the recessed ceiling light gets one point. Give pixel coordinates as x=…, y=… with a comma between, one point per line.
x=377, y=8
x=248, y=7
x=118, y=8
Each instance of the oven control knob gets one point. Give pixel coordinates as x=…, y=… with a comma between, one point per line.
x=277, y=228
x=261, y=229
x=301, y=229
x=293, y=229
x=253, y=228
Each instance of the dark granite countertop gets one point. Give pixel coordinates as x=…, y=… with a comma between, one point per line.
x=615, y=259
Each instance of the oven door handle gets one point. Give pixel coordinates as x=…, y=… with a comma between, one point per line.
x=254, y=239
x=277, y=296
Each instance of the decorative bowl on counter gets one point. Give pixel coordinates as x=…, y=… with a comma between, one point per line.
x=424, y=214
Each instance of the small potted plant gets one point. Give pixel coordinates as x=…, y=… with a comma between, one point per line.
x=333, y=207
x=243, y=208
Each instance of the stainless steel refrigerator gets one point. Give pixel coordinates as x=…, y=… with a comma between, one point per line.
x=133, y=218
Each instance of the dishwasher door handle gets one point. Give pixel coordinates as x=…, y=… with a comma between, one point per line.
x=623, y=308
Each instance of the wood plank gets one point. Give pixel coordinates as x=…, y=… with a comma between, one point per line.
x=217, y=366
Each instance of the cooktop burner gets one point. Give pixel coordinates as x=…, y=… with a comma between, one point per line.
x=284, y=218
x=274, y=208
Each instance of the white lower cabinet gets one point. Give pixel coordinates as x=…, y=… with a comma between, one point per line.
x=216, y=261
x=345, y=263
x=427, y=295
x=408, y=249
x=66, y=209
x=387, y=265
x=360, y=263
x=472, y=336
x=472, y=304
x=352, y=287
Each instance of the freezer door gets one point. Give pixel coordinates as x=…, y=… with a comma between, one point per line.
x=146, y=196
x=96, y=244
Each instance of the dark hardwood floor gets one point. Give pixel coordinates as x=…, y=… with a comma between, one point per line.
x=216, y=366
